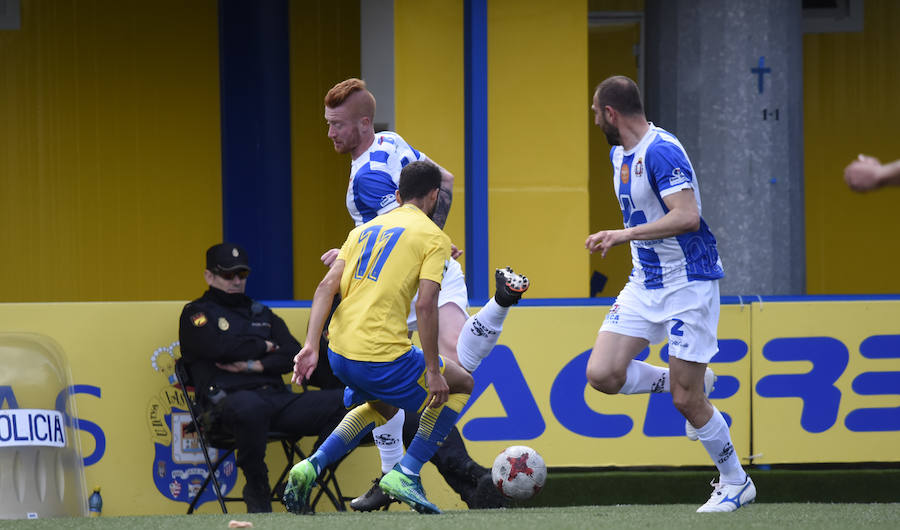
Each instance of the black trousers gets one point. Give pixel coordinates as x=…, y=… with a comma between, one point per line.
x=248, y=415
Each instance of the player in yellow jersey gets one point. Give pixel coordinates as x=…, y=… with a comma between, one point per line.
x=377, y=272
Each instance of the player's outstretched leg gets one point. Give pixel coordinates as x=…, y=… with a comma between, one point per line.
x=407, y=488
x=480, y=332
x=729, y=497
x=300, y=482
x=709, y=384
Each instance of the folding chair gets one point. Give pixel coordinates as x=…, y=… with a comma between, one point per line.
x=208, y=438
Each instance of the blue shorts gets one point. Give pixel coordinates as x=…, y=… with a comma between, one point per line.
x=400, y=382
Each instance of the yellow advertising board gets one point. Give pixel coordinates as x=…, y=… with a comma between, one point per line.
x=826, y=381
x=824, y=386
x=532, y=390
x=121, y=357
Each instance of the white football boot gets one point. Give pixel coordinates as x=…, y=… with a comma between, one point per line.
x=709, y=384
x=729, y=497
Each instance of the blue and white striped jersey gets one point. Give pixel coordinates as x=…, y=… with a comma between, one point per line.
x=375, y=174
x=659, y=166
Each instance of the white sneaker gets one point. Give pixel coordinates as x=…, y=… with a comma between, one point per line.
x=729, y=497
x=709, y=384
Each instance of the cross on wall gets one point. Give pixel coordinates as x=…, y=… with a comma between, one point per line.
x=761, y=71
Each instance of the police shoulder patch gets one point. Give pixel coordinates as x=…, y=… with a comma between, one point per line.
x=198, y=319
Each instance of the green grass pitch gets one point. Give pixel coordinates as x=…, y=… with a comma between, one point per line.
x=788, y=515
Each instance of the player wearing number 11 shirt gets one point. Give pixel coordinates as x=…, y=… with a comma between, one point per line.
x=377, y=272
x=370, y=322
x=673, y=291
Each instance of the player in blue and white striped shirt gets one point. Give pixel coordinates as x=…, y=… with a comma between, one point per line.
x=656, y=168
x=673, y=291
x=372, y=176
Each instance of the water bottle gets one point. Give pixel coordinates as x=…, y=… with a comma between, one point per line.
x=95, y=503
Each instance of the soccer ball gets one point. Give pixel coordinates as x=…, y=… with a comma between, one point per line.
x=519, y=472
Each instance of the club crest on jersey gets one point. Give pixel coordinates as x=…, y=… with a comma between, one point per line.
x=624, y=173
x=382, y=139
x=639, y=168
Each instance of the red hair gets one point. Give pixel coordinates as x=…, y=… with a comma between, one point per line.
x=345, y=90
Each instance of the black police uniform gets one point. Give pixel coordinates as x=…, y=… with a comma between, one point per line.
x=222, y=327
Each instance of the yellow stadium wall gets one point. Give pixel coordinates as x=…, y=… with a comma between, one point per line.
x=611, y=53
x=428, y=85
x=324, y=51
x=538, y=142
x=429, y=106
x=531, y=390
x=111, y=161
x=112, y=166
x=851, y=82
x=429, y=94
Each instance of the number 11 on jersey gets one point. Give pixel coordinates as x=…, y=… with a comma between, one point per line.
x=384, y=241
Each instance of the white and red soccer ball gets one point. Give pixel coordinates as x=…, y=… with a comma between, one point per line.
x=519, y=472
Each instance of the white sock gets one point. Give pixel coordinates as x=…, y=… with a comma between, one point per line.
x=643, y=378
x=389, y=441
x=492, y=314
x=479, y=334
x=716, y=439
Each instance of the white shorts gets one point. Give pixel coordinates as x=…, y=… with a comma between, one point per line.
x=453, y=291
x=688, y=314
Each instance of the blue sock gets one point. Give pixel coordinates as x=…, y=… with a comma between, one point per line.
x=356, y=424
x=316, y=460
x=434, y=426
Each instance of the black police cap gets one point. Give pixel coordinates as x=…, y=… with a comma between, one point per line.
x=226, y=257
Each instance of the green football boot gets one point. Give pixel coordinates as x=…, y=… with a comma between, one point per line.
x=407, y=488
x=300, y=482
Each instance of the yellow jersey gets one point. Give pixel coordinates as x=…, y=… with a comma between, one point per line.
x=384, y=261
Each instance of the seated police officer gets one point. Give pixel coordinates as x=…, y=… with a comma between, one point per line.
x=236, y=351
